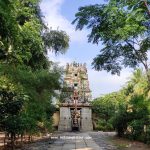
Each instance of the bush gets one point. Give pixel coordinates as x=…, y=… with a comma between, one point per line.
x=104, y=126
x=137, y=129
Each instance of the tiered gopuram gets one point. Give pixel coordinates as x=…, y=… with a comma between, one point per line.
x=75, y=109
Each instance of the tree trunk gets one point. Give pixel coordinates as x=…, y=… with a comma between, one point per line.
x=146, y=5
x=148, y=75
x=12, y=141
x=29, y=138
x=21, y=139
x=5, y=139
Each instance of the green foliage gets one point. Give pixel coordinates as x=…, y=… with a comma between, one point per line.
x=105, y=108
x=123, y=27
x=28, y=80
x=132, y=118
x=139, y=117
x=57, y=41
x=12, y=99
x=22, y=31
x=104, y=126
x=39, y=86
x=126, y=111
x=120, y=119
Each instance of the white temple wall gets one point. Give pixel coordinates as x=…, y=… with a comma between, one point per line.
x=65, y=119
x=86, y=119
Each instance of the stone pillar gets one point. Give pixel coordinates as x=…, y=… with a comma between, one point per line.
x=86, y=119
x=65, y=119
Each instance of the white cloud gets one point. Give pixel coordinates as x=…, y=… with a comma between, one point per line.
x=62, y=60
x=103, y=82
x=51, y=10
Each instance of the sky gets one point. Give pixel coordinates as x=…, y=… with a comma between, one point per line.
x=58, y=15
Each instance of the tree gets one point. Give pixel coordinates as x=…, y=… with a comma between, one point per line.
x=135, y=4
x=24, y=38
x=126, y=110
x=105, y=107
x=132, y=117
x=39, y=85
x=56, y=41
x=123, y=27
x=31, y=79
x=11, y=102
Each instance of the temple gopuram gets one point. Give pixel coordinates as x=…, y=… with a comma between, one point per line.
x=75, y=109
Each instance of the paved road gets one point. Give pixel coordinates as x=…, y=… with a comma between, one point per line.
x=74, y=141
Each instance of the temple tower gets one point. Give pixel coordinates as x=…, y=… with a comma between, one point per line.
x=75, y=109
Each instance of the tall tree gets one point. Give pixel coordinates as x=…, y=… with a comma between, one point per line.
x=24, y=38
x=123, y=27
x=25, y=68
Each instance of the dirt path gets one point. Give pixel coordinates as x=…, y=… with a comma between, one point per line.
x=109, y=141
x=125, y=144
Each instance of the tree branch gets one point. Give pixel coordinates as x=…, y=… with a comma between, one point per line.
x=136, y=52
x=146, y=5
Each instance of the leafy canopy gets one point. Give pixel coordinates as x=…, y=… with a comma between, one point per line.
x=123, y=28
x=24, y=38
x=28, y=80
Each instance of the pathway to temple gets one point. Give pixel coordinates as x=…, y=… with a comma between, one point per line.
x=74, y=141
